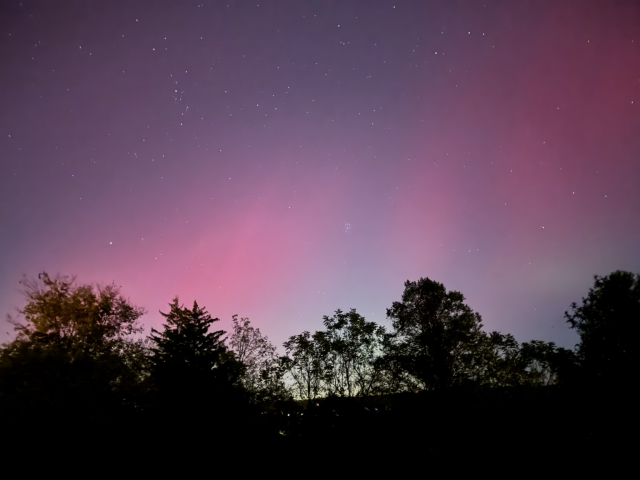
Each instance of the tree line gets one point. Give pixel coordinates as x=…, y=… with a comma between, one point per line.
x=78, y=359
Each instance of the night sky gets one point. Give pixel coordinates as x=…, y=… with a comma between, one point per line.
x=283, y=159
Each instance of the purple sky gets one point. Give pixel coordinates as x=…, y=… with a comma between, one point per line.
x=283, y=159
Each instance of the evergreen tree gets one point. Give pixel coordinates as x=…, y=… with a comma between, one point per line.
x=191, y=368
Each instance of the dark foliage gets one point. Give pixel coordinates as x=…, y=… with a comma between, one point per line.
x=194, y=379
x=263, y=369
x=608, y=322
x=73, y=361
x=436, y=388
x=438, y=337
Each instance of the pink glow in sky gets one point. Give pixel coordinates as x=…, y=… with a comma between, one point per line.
x=285, y=160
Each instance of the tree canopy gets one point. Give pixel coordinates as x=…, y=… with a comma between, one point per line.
x=608, y=322
x=263, y=369
x=73, y=352
x=75, y=359
x=303, y=361
x=438, y=335
x=190, y=365
x=351, y=348
x=60, y=312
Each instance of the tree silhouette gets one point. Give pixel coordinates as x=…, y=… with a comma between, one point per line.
x=263, y=374
x=304, y=362
x=187, y=357
x=192, y=372
x=84, y=318
x=73, y=357
x=438, y=337
x=608, y=322
x=351, y=349
x=503, y=362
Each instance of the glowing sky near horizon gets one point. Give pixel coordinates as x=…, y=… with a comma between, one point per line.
x=284, y=159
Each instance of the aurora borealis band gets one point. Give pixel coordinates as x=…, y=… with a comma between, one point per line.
x=283, y=159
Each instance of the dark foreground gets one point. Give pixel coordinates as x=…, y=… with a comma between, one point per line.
x=575, y=427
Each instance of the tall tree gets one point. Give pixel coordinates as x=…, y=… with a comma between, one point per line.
x=437, y=335
x=85, y=318
x=351, y=349
x=73, y=354
x=191, y=366
x=263, y=374
x=305, y=364
x=608, y=322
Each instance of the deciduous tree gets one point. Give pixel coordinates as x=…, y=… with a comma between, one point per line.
x=438, y=337
x=608, y=322
x=263, y=370
x=73, y=357
x=304, y=363
x=351, y=349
